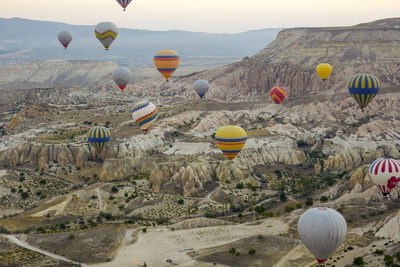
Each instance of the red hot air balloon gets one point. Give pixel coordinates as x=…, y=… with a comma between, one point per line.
x=278, y=94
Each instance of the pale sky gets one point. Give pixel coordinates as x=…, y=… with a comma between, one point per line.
x=205, y=15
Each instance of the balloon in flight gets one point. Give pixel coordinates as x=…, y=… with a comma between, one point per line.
x=278, y=94
x=145, y=115
x=363, y=88
x=106, y=32
x=324, y=70
x=65, y=37
x=230, y=139
x=201, y=87
x=166, y=62
x=98, y=136
x=124, y=3
x=122, y=76
x=385, y=173
x=322, y=231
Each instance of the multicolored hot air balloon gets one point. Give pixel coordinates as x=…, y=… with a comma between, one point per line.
x=98, y=136
x=324, y=70
x=278, y=94
x=122, y=76
x=106, y=32
x=385, y=173
x=166, y=62
x=65, y=37
x=230, y=139
x=124, y=3
x=322, y=231
x=201, y=87
x=363, y=88
x=145, y=115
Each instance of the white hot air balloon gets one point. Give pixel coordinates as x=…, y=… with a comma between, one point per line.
x=201, y=87
x=122, y=76
x=322, y=231
x=65, y=37
x=106, y=32
x=385, y=173
x=145, y=115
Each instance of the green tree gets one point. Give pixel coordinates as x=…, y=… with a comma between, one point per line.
x=259, y=209
x=324, y=199
x=359, y=261
x=309, y=202
x=114, y=189
x=239, y=186
x=252, y=252
x=282, y=196
x=181, y=201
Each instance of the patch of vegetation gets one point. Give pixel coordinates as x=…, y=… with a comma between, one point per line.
x=359, y=261
x=323, y=199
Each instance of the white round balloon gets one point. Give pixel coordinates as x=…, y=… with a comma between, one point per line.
x=122, y=76
x=201, y=87
x=322, y=231
x=65, y=37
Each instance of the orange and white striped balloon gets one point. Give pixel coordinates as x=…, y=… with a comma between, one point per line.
x=278, y=94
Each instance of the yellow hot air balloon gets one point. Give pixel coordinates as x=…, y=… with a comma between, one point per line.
x=324, y=70
x=231, y=139
x=166, y=62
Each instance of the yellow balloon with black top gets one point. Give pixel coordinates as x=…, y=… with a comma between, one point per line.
x=231, y=140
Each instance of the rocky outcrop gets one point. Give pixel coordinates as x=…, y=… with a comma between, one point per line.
x=391, y=228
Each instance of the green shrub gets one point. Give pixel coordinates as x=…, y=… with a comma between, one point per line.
x=239, y=186
x=289, y=208
x=259, y=209
x=323, y=199
x=269, y=214
x=389, y=261
x=359, y=261
x=298, y=206
x=252, y=252
x=181, y=201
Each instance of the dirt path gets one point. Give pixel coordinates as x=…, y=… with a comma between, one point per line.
x=23, y=244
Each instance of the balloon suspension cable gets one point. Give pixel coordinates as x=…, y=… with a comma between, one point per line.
x=124, y=9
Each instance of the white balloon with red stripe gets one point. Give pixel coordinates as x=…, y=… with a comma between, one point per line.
x=385, y=173
x=322, y=231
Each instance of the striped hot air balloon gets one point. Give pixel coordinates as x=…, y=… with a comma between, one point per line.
x=98, y=136
x=124, y=3
x=166, y=62
x=363, y=88
x=230, y=139
x=385, y=173
x=106, y=32
x=145, y=115
x=278, y=94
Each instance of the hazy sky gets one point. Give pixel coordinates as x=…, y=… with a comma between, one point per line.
x=205, y=15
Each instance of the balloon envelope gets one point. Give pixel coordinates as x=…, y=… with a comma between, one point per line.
x=385, y=173
x=166, y=62
x=231, y=140
x=145, y=115
x=122, y=76
x=65, y=37
x=278, y=94
x=201, y=87
x=322, y=231
x=363, y=88
x=324, y=70
x=124, y=3
x=106, y=32
x=98, y=136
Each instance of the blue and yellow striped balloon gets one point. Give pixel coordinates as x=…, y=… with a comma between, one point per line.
x=363, y=88
x=98, y=136
x=231, y=139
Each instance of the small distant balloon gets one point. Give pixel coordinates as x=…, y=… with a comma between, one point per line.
x=324, y=70
x=106, y=32
x=231, y=140
x=124, y=3
x=145, y=115
x=166, y=62
x=363, y=88
x=278, y=94
x=99, y=136
x=385, y=173
x=65, y=37
x=201, y=87
x=122, y=76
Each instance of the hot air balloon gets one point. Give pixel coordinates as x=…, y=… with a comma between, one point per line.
x=166, y=62
x=201, y=87
x=363, y=88
x=106, y=32
x=124, y=3
x=145, y=115
x=122, y=76
x=65, y=37
x=385, y=173
x=98, y=136
x=230, y=139
x=324, y=70
x=322, y=231
x=278, y=94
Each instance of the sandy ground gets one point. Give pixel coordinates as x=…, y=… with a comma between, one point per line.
x=158, y=245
